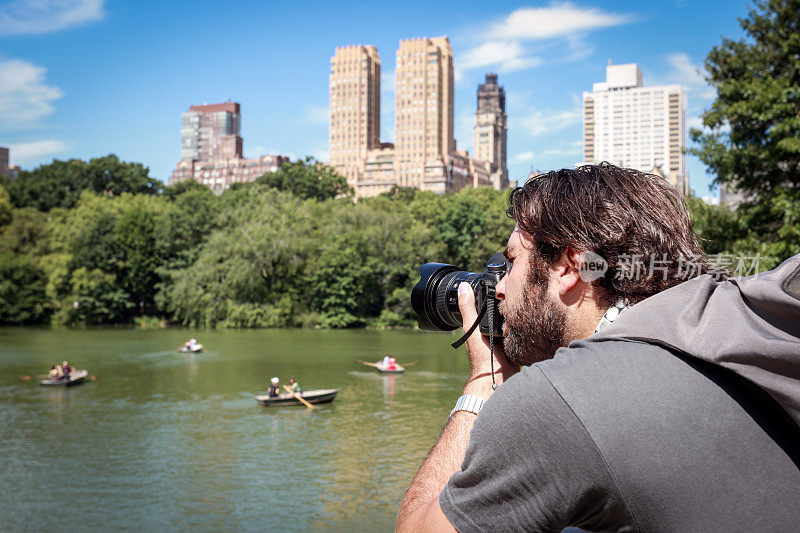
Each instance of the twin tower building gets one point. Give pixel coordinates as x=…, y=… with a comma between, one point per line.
x=424, y=154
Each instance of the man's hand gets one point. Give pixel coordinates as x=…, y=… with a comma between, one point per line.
x=480, y=378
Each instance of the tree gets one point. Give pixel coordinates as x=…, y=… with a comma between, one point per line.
x=5, y=207
x=753, y=139
x=60, y=183
x=717, y=226
x=26, y=234
x=22, y=290
x=754, y=142
x=308, y=179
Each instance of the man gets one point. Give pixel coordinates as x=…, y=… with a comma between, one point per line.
x=677, y=413
x=274, y=390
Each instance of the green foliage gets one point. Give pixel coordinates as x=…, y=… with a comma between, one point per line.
x=25, y=234
x=22, y=290
x=717, y=227
x=307, y=179
x=60, y=183
x=292, y=251
x=5, y=207
x=752, y=141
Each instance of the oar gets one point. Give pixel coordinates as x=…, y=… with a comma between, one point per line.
x=408, y=364
x=298, y=397
x=28, y=378
x=368, y=363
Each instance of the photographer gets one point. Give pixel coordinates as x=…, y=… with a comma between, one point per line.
x=675, y=405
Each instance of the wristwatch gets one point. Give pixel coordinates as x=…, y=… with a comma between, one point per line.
x=468, y=402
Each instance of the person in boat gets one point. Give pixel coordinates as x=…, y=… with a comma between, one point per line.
x=392, y=364
x=191, y=344
x=274, y=390
x=294, y=386
x=385, y=361
x=67, y=369
x=54, y=372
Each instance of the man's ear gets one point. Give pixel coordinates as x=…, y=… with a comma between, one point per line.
x=569, y=270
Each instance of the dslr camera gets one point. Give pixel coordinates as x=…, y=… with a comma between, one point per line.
x=435, y=297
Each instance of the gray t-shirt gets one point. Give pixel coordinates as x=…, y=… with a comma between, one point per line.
x=620, y=436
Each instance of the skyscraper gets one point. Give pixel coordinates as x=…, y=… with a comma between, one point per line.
x=491, y=130
x=424, y=114
x=211, y=149
x=424, y=153
x=355, y=108
x=211, y=132
x=634, y=126
x=4, y=171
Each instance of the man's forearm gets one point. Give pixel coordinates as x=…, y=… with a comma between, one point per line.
x=420, y=510
x=443, y=461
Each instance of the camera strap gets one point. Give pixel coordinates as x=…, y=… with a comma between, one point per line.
x=469, y=332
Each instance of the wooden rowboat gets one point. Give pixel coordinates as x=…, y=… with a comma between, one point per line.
x=380, y=367
x=310, y=396
x=398, y=369
x=76, y=377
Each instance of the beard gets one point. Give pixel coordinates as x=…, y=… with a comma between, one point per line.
x=536, y=328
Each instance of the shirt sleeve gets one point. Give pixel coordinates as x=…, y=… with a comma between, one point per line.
x=531, y=466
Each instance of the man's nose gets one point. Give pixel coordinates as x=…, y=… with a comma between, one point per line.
x=500, y=289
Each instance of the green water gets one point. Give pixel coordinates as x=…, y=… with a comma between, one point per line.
x=165, y=441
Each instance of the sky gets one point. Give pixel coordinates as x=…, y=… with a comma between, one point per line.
x=84, y=78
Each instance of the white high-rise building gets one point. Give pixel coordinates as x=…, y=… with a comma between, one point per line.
x=630, y=125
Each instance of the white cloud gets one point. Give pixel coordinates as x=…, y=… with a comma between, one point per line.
x=22, y=153
x=558, y=19
x=690, y=76
x=523, y=157
x=20, y=17
x=537, y=123
x=316, y=115
x=504, y=43
x=24, y=95
x=694, y=122
x=509, y=55
x=711, y=200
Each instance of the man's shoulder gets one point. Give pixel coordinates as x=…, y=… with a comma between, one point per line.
x=592, y=369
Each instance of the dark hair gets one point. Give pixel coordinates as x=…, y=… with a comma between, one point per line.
x=621, y=214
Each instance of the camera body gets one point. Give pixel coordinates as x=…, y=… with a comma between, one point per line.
x=435, y=296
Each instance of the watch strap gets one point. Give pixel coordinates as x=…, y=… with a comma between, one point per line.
x=468, y=402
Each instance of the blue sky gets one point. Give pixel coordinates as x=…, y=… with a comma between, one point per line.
x=83, y=78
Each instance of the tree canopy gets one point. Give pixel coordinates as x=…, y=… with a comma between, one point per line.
x=60, y=183
x=308, y=179
x=752, y=137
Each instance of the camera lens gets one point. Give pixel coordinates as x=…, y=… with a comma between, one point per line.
x=435, y=297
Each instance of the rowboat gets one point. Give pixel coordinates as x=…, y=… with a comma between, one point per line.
x=310, y=396
x=380, y=367
x=398, y=369
x=76, y=377
x=197, y=348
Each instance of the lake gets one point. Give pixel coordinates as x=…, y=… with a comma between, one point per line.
x=170, y=441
